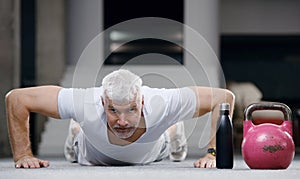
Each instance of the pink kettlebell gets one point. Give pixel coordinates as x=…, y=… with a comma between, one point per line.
x=268, y=142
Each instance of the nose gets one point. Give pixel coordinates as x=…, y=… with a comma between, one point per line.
x=122, y=121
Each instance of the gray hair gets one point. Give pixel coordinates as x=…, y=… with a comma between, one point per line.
x=122, y=86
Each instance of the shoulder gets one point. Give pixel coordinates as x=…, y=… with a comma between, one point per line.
x=148, y=91
x=161, y=97
x=72, y=102
x=79, y=96
x=76, y=92
x=93, y=94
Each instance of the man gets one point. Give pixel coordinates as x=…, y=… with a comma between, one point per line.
x=119, y=123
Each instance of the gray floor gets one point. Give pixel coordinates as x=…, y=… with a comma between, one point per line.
x=59, y=168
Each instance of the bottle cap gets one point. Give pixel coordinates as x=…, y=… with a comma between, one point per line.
x=224, y=106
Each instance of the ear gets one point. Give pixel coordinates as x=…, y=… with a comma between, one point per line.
x=142, y=114
x=102, y=101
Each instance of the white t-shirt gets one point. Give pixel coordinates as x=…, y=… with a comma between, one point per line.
x=162, y=108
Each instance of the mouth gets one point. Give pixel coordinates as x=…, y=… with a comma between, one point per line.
x=123, y=129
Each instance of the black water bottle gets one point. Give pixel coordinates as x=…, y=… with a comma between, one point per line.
x=224, y=139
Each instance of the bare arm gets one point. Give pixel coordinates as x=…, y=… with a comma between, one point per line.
x=19, y=104
x=208, y=100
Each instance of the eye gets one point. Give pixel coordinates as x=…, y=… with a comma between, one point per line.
x=132, y=109
x=113, y=110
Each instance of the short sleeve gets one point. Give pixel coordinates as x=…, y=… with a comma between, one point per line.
x=182, y=103
x=71, y=103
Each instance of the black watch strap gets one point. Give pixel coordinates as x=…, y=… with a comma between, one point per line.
x=212, y=151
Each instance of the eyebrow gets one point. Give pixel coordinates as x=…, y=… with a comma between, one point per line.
x=131, y=106
x=111, y=106
x=134, y=106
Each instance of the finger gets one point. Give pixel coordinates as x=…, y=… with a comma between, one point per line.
x=203, y=164
x=30, y=163
x=208, y=165
x=214, y=164
x=18, y=165
x=36, y=164
x=44, y=163
x=24, y=165
x=196, y=164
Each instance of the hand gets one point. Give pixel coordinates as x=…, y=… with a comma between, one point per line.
x=208, y=161
x=31, y=162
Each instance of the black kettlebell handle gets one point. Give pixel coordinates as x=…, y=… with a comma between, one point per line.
x=268, y=106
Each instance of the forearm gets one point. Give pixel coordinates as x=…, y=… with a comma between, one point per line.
x=19, y=139
x=228, y=97
x=18, y=126
x=212, y=142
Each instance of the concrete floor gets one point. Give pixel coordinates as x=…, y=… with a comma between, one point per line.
x=59, y=168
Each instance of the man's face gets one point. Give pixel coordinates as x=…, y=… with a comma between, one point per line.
x=123, y=118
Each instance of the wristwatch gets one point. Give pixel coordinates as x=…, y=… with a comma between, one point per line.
x=212, y=151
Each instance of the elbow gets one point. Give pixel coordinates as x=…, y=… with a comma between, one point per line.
x=230, y=97
x=15, y=103
x=225, y=96
x=9, y=96
x=12, y=97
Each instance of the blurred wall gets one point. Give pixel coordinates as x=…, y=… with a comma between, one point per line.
x=260, y=17
x=50, y=49
x=84, y=22
x=50, y=43
x=50, y=54
x=265, y=36
x=6, y=67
